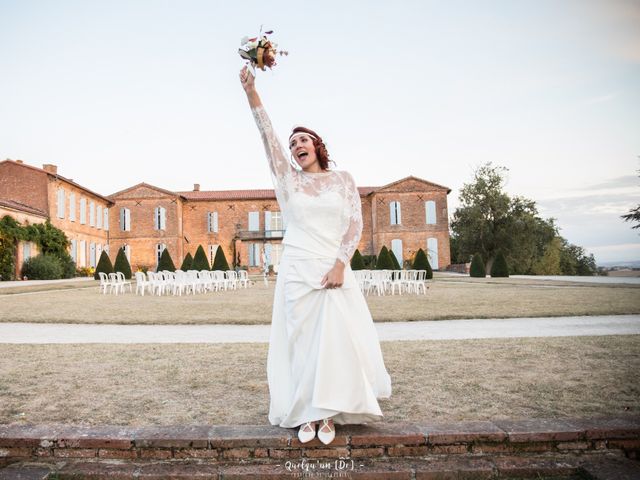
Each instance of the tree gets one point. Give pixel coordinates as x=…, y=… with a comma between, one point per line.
x=549, y=263
x=384, y=261
x=633, y=216
x=200, y=261
x=166, y=262
x=357, y=263
x=394, y=260
x=104, y=265
x=421, y=262
x=187, y=262
x=122, y=264
x=477, y=268
x=220, y=261
x=499, y=267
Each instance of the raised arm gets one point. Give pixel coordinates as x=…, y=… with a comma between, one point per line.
x=353, y=232
x=282, y=171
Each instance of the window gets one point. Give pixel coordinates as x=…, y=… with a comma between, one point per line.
x=212, y=253
x=106, y=248
x=159, y=249
x=83, y=211
x=254, y=221
x=92, y=214
x=394, y=213
x=396, y=248
x=60, y=203
x=212, y=222
x=26, y=251
x=74, y=250
x=92, y=254
x=432, y=252
x=98, y=252
x=105, y=222
x=430, y=208
x=254, y=254
x=99, y=217
x=125, y=219
x=127, y=252
x=160, y=218
x=72, y=207
x=273, y=224
x=82, y=257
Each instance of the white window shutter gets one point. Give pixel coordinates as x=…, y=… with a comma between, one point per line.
x=163, y=218
x=215, y=222
x=392, y=213
x=267, y=223
x=127, y=219
x=60, y=203
x=72, y=207
x=251, y=257
x=105, y=212
x=99, y=217
x=432, y=252
x=83, y=211
x=399, y=212
x=430, y=208
x=123, y=225
x=155, y=219
x=254, y=221
x=396, y=248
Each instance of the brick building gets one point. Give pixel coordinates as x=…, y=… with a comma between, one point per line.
x=81, y=213
x=404, y=215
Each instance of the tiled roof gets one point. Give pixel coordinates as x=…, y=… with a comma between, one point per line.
x=246, y=194
x=22, y=207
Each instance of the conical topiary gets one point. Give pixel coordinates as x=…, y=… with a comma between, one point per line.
x=500, y=267
x=187, y=263
x=394, y=260
x=357, y=263
x=220, y=261
x=477, y=267
x=200, y=261
x=166, y=262
x=104, y=265
x=384, y=260
x=122, y=264
x=421, y=262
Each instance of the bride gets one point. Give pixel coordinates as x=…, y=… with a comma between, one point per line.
x=324, y=363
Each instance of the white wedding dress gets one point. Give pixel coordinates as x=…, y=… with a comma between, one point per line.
x=324, y=356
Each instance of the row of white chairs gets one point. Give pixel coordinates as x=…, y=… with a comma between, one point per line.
x=114, y=282
x=383, y=282
x=189, y=282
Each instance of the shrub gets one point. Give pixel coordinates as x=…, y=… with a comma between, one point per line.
x=122, y=264
x=166, y=263
x=187, y=263
x=369, y=261
x=357, y=263
x=477, y=267
x=104, y=265
x=68, y=265
x=499, y=267
x=43, y=267
x=384, y=260
x=84, y=272
x=394, y=260
x=7, y=259
x=421, y=262
x=200, y=261
x=220, y=261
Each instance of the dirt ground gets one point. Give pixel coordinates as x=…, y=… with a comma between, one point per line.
x=447, y=298
x=226, y=384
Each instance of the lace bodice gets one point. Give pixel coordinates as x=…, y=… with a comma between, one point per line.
x=321, y=211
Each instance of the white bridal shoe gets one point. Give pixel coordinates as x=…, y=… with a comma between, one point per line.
x=326, y=432
x=307, y=432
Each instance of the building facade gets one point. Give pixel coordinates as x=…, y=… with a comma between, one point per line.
x=405, y=215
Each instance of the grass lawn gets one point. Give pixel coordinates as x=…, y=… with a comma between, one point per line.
x=447, y=298
x=226, y=384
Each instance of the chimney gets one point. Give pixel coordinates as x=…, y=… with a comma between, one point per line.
x=50, y=168
x=19, y=161
x=196, y=187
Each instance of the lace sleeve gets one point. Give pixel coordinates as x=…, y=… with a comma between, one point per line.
x=353, y=232
x=282, y=172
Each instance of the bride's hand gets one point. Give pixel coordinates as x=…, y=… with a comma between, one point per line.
x=334, y=277
x=247, y=79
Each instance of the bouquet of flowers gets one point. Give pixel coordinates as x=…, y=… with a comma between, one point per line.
x=260, y=51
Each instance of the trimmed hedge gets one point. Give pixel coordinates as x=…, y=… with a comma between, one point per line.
x=394, y=259
x=187, y=263
x=122, y=264
x=166, y=262
x=200, y=261
x=384, y=260
x=104, y=265
x=357, y=263
x=500, y=267
x=220, y=261
x=421, y=262
x=43, y=267
x=477, y=269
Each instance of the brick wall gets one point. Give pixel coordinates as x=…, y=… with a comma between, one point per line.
x=24, y=184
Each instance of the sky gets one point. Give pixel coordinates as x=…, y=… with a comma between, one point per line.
x=122, y=92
